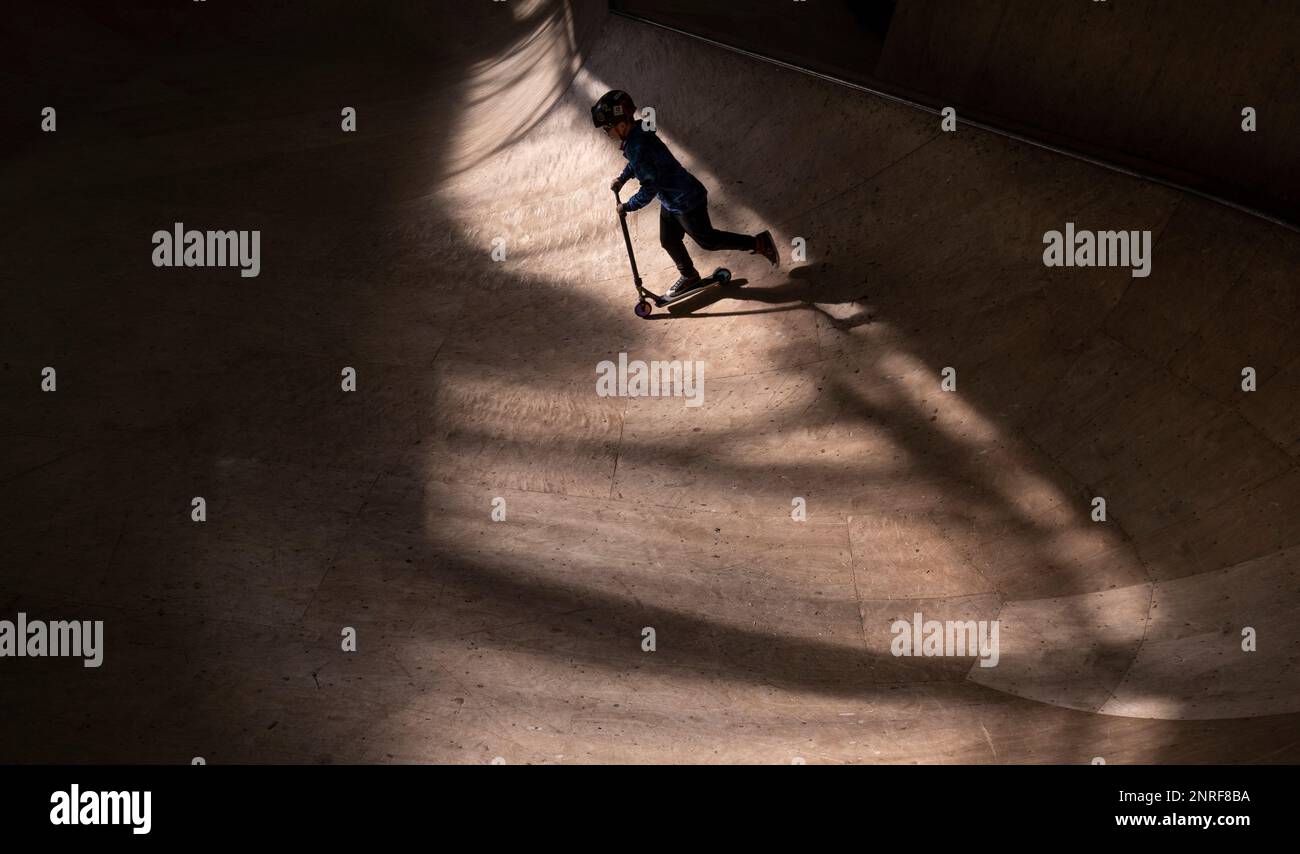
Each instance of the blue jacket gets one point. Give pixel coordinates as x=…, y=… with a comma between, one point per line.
x=659, y=173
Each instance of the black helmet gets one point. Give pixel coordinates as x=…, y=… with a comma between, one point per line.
x=613, y=107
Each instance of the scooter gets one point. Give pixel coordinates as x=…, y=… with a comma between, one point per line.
x=648, y=300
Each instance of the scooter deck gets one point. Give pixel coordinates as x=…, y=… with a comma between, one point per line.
x=720, y=276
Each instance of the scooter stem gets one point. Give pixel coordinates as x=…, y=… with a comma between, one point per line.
x=627, y=239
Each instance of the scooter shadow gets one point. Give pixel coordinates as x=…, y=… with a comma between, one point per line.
x=809, y=288
x=690, y=306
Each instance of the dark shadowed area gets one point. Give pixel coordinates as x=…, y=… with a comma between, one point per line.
x=1158, y=87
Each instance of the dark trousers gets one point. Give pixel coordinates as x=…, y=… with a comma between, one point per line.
x=673, y=226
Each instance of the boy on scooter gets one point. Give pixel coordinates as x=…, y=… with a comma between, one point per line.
x=683, y=200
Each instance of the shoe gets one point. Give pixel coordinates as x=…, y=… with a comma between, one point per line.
x=764, y=245
x=682, y=285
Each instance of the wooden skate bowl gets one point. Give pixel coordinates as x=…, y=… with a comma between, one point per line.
x=523, y=638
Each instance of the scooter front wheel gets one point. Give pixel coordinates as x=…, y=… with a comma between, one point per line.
x=643, y=309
